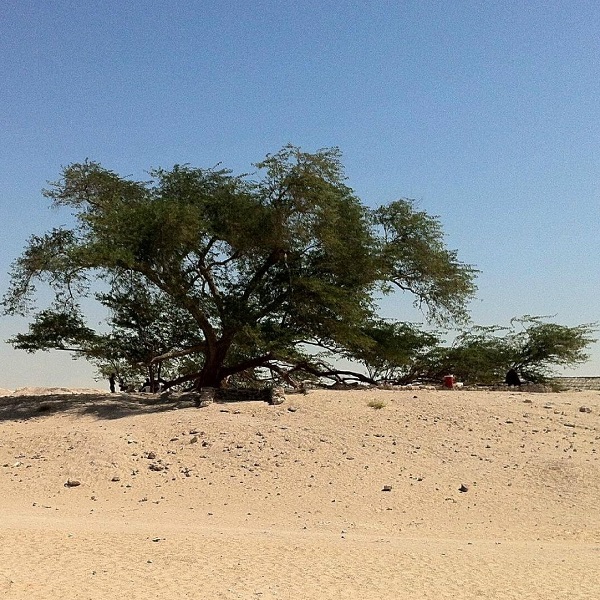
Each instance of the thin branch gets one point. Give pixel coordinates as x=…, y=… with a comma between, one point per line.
x=213, y=240
x=222, y=263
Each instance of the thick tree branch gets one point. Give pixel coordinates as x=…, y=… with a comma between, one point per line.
x=253, y=363
x=331, y=373
x=273, y=258
x=178, y=353
x=178, y=295
x=214, y=290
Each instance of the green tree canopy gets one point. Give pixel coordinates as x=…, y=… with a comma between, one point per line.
x=394, y=352
x=530, y=346
x=211, y=274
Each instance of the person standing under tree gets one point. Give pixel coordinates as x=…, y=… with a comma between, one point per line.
x=512, y=378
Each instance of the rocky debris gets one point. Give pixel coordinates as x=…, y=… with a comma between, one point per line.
x=387, y=488
x=201, y=398
x=463, y=488
x=277, y=395
x=116, y=478
x=157, y=467
x=205, y=397
x=302, y=388
x=194, y=397
x=585, y=409
x=271, y=395
x=72, y=483
x=406, y=388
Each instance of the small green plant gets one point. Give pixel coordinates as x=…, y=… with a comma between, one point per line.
x=376, y=404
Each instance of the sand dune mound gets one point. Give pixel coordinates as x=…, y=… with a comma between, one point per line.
x=335, y=494
x=53, y=391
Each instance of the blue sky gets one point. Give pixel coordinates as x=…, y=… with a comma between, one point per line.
x=486, y=113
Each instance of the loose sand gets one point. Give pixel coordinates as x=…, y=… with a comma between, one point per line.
x=247, y=500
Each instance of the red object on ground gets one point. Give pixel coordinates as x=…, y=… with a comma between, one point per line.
x=449, y=381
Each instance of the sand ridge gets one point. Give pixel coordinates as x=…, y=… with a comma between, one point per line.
x=247, y=500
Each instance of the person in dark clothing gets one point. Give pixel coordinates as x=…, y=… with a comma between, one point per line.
x=512, y=378
x=111, y=381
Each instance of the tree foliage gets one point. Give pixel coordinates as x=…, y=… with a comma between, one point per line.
x=531, y=346
x=208, y=275
x=394, y=352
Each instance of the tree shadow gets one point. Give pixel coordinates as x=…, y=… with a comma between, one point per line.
x=102, y=406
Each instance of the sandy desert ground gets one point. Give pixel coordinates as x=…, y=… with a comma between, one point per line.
x=320, y=497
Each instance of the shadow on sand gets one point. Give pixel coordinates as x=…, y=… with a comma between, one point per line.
x=103, y=406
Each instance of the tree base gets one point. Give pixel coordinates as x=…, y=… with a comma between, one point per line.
x=205, y=396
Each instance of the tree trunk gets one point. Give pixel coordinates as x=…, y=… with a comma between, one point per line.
x=208, y=378
x=212, y=374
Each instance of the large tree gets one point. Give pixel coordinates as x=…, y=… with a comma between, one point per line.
x=216, y=274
